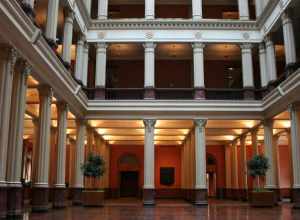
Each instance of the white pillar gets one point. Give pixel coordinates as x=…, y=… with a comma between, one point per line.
x=271, y=59
x=149, y=9
x=101, y=65
x=102, y=9
x=197, y=9
x=263, y=66
x=198, y=49
x=79, y=59
x=259, y=7
x=149, y=65
x=62, y=113
x=68, y=36
x=247, y=66
x=149, y=161
x=289, y=39
x=79, y=155
x=243, y=9
x=52, y=18
x=85, y=65
x=88, y=5
x=7, y=65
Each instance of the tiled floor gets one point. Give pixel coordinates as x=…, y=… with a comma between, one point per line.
x=165, y=210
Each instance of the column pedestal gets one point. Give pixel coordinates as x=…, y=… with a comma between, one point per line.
x=14, y=201
x=3, y=202
x=77, y=196
x=200, y=197
x=199, y=93
x=149, y=197
x=40, y=198
x=100, y=93
x=59, y=197
x=296, y=198
x=249, y=94
x=149, y=93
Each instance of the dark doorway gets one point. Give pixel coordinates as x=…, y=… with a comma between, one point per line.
x=129, y=183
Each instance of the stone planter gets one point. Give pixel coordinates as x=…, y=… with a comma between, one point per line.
x=262, y=199
x=93, y=198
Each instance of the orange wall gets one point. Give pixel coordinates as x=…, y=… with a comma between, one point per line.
x=219, y=153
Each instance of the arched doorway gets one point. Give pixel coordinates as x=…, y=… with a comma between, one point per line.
x=211, y=175
x=129, y=175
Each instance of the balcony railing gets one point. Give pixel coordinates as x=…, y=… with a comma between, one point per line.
x=174, y=93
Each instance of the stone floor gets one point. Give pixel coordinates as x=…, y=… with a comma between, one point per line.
x=168, y=210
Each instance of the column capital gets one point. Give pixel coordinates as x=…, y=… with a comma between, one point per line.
x=262, y=47
x=246, y=46
x=45, y=90
x=101, y=47
x=62, y=105
x=200, y=122
x=27, y=68
x=268, y=40
x=70, y=15
x=268, y=122
x=13, y=57
x=198, y=46
x=149, y=45
x=285, y=18
x=80, y=121
x=149, y=124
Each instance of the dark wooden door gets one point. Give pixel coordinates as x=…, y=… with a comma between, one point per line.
x=129, y=183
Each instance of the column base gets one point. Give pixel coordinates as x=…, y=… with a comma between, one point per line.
x=249, y=94
x=40, y=199
x=149, y=197
x=200, y=196
x=100, y=93
x=199, y=93
x=14, y=201
x=3, y=202
x=28, y=10
x=52, y=43
x=77, y=196
x=67, y=65
x=59, y=198
x=296, y=198
x=149, y=93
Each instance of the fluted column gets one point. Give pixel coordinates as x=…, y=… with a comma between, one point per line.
x=40, y=191
x=85, y=65
x=149, y=161
x=244, y=182
x=149, y=9
x=102, y=9
x=243, y=9
x=15, y=143
x=199, y=83
x=263, y=66
x=200, y=162
x=149, y=61
x=271, y=60
x=295, y=145
x=79, y=159
x=51, y=25
x=289, y=40
x=247, y=66
x=197, y=9
x=79, y=59
x=100, y=70
x=68, y=37
x=60, y=186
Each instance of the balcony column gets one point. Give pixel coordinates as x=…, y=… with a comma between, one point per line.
x=259, y=7
x=102, y=9
x=200, y=162
x=247, y=66
x=149, y=161
x=79, y=59
x=8, y=58
x=149, y=83
x=197, y=9
x=15, y=143
x=244, y=182
x=263, y=66
x=85, y=64
x=271, y=177
x=28, y=7
x=60, y=186
x=51, y=25
x=295, y=145
x=79, y=159
x=235, y=170
x=243, y=9
x=289, y=42
x=68, y=37
x=40, y=190
x=149, y=9
x=88, y=5
x=199, y=84
x=100, y=70
x=271, y=60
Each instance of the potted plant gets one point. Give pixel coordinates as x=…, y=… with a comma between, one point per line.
x=257, y=168
x=94, y=168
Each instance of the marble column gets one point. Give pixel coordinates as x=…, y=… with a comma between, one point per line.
x=289, y=42
x=51, y=24
x=149, y=83
x=79, y=159
x=295, y=145
x=88, y=6
x=8, y=58
x=68, y=37
x=149, y=9
x=247, y=66
x=15, y=143
x=28, y=7
x=79, y=59
x=263, y=66
x=102, y=9
x=244, y=180
x=198, y=60
x=200, y=162
x=60, y=186
x=85, y=65
x=235, y=170
x=197, y=9
x=228, y=167
x=243, y=9
x=271, y=60
x=149, y=161
x=100, y=70
x=259, y=7
x=40, y=190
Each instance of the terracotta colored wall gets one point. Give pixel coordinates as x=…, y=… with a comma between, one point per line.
x=284, y=166
x=219, y=153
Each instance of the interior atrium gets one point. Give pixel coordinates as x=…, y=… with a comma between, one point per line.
x=176, y=96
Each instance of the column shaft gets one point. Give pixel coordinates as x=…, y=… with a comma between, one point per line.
x=289, y=40
x=243, y=9
x=68, y=36
x=52, y=18
x=149, y=9
x=258, y=7
x=247, y=66
x=79, y=59
x=85, y=65
x=100, y=70
x=199, y=83
x=197, y=9
x=263, y=66
x=102, y=9
x=271, y=60
x=88, y=5
x=149, y=83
